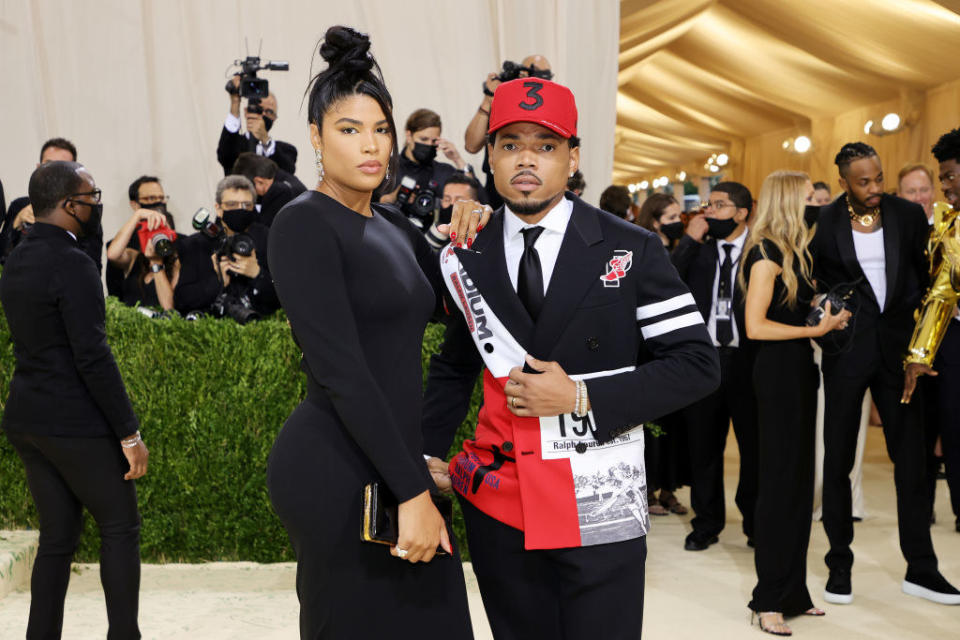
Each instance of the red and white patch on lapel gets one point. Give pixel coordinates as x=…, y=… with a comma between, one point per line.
x=617, y=267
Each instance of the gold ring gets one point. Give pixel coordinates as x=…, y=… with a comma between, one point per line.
x=513, y=401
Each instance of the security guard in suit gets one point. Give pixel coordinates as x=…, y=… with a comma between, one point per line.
x=555, y=299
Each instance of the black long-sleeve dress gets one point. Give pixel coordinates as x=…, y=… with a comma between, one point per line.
x=785, y=379
x=358, y=296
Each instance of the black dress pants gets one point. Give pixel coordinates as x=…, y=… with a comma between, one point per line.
x=786, y=381
x=948, y=413
x=906, y=446
x=708, y=422
x=65, y=475
x=583, y=593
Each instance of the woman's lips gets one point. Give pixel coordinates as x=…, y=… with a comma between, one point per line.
x=370, y=167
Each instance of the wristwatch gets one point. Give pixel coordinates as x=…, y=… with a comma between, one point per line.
x=156, y=268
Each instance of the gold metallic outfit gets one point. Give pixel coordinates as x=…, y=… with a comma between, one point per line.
x=941, y=299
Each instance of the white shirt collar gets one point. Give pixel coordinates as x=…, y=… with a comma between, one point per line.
x=736, y=242
x=556, y=219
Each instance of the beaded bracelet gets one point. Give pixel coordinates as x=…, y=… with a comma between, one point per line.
x=130, y=444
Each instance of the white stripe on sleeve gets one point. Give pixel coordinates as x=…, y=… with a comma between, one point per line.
x=655, y=309
x=671, y=324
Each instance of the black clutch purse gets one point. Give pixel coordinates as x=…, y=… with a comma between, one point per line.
x=380, y=508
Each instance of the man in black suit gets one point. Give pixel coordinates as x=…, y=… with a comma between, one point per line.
x=708, y=259
x=552, y=486
x=19, y=217
x=260, y=118
x=68, y=415
x=876, y=243
x=275, y=187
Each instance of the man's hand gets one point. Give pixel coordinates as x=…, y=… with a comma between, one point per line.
x=697, y=227
x=450, y=151
x=154, y=219
x=548, y=393
x=492, y=82
x=235, y=97
x=223, y=268
x=910, y=375
x=244, y=265
x=256, y=127
x=440, y=472
x=25, y=216
x=466, y=220
x=137, y=458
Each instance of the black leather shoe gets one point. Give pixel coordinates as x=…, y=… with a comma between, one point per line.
x=839, y=590
x=931, y=586
x=698, y=542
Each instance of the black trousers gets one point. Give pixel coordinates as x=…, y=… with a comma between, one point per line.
x=65, y=475
x=948, y=413
x=708, y=422
x=906, y=446
x=583, y=593
x=786, y=381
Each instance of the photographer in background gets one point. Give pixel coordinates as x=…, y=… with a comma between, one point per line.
x=148, y=277
x=577, y=184
x=420, y=175
x=273, y=191
x=475, y=138
x=260, y=115
x=457, y=187
x=224, y=267
x=20, y=215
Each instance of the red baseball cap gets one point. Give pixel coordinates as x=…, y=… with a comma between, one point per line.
x=534, y=100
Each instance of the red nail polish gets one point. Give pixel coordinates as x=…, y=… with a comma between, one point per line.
x=459, y=245
x=479, y=228
x=453, y=235
x=469, y=242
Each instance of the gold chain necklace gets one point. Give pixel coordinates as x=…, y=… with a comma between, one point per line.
x=866, y=219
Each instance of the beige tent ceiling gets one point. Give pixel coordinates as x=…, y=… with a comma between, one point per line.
x=702, y=76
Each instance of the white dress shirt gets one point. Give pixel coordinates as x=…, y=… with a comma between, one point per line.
x=232, y=124
x=872, y=259
x=735, y=259
x=547, y=245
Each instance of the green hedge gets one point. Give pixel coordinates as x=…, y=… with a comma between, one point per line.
x=211, y=396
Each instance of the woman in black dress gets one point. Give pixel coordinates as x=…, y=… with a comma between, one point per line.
x=779, y=291
x=355, y=281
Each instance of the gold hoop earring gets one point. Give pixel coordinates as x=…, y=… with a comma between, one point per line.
x=319, y=164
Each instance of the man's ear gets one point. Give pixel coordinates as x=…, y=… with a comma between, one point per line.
x=843, y=183
x=574, y=161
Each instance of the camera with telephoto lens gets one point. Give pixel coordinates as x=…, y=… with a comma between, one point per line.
x=161, y=238
x=512, y=70
x=233, y=306
x=839, y=299
x=420, y=208
x=239, y=243
x=250, y=85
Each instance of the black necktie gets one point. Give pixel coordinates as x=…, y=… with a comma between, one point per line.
x=725, y=326
x=530, y=277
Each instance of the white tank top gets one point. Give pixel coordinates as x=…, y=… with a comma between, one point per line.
x=870, y=255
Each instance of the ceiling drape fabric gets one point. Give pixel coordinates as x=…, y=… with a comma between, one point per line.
x=699, y=77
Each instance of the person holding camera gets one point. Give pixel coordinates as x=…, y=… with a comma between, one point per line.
x=777, y=280
x=149, y=277
x=275, y=187
x=260, y=114
x=68, y=415
x=224, y=266
x=20, y=215
x=420, y=176
x=475, y=138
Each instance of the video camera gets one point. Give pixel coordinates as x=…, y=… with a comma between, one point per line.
x=250, y=85
x=420, y=209
x=512, y=70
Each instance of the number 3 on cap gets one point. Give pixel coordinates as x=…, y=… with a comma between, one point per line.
x=534, y=94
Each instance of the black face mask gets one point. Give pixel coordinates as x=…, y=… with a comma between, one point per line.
x=155, y=206
x=239, y=219
x=810, y=214
x=445, y=214
x=720, y=229
x=267, y=123
x=91, y=225
x=424, y=153
x=673, y=230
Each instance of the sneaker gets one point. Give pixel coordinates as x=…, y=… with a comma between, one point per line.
x=838, y=590
x=931, y=586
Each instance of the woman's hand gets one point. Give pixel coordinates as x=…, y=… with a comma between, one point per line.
x=829, y=322
x=440, y=472
x=422, y=529
x=154, y=219
x=466, y=220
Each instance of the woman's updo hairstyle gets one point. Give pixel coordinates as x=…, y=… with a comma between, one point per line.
x=351, y=70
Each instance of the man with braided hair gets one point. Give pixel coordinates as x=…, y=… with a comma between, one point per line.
x=935, y=336
x=874, y=244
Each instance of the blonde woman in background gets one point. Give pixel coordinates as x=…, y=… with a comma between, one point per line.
x=779, y=290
